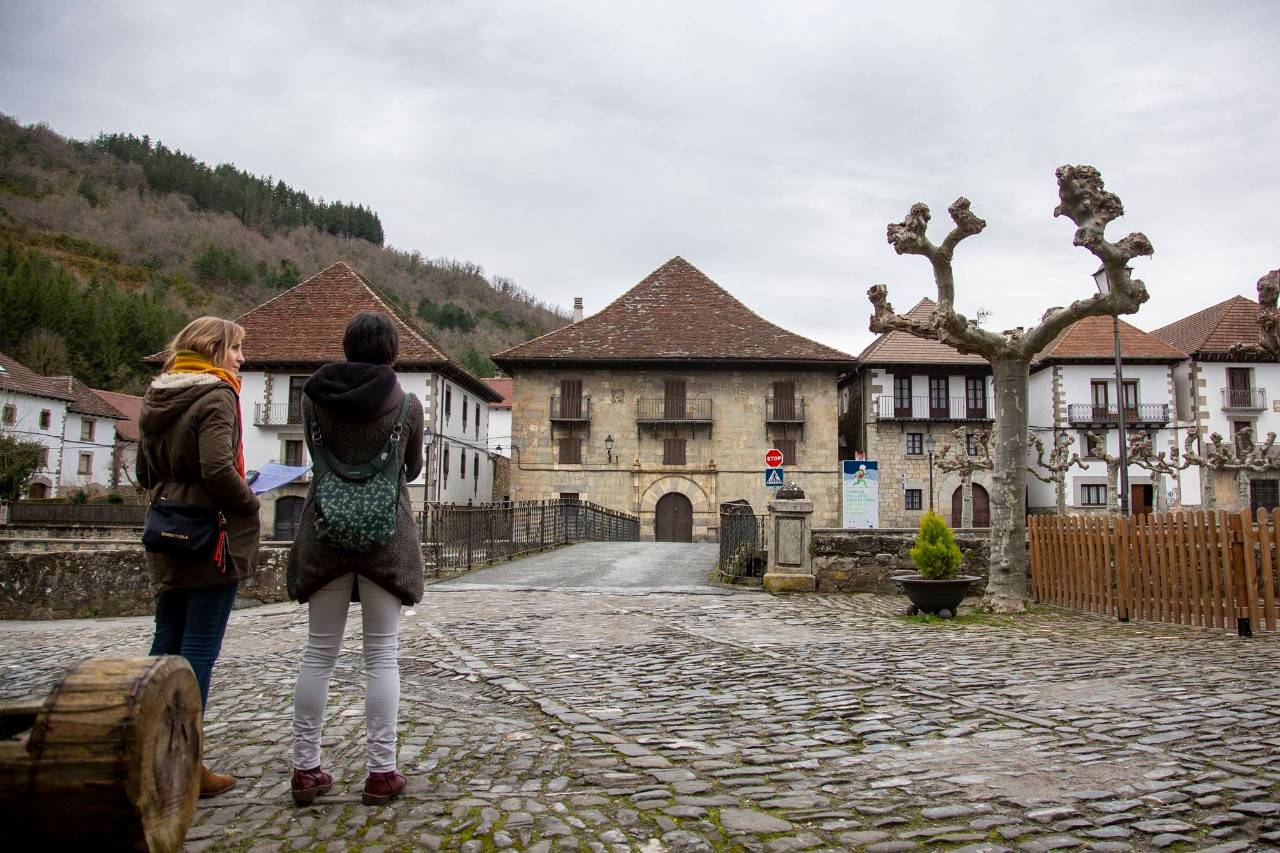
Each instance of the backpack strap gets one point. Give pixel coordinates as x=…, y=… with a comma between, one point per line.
x=321, y=461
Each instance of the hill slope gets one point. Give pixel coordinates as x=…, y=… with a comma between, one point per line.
x=137, y=233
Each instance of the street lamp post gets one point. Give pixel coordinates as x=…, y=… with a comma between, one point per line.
x=931, y=443
x=1104, y=286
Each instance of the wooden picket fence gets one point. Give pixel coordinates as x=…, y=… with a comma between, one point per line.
x=1215, y=569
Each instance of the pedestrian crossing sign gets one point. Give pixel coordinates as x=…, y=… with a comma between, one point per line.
x=773, y=477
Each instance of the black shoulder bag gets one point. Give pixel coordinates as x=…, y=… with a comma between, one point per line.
x=183, y=530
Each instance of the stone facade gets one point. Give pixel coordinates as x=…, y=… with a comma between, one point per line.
x=724, y=461
x=864, y=561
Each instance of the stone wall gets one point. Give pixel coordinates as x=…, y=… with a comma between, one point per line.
x=66, y=538
x=81, y=584
x=864, y=560
x=723, y=462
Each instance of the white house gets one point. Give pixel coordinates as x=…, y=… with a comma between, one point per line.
x=1228, y=383
x=34, y=408
x=500, y=415
x=290, y=336
x=88, y=438
x=127, y=436
x=1072, y=392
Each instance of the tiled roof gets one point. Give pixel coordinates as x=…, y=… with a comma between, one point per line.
x=1215, y=330
x=18, y=378
x=304, y=326
x=127, y=405
x=1093, y=338
x=500, y=385
x=906, y=348
x=84, y=399
x=675, y=314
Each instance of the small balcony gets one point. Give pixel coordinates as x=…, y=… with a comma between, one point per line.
x=1105, y=416
x=784, y=410
x=277, y=414
x=573, y=410
x=891, y=408
x=1244, y=399
x=673, y=410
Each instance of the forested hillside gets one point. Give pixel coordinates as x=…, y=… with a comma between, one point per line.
x=108, y=246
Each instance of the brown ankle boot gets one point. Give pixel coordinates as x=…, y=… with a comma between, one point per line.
x=212, y=784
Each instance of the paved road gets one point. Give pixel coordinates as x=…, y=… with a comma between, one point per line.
x=618, y=567
x=596, y=722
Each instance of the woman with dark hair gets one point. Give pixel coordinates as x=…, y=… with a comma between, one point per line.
x=192, y=452
x=354, y=413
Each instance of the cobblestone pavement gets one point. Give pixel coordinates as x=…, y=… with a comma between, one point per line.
x=592, y=721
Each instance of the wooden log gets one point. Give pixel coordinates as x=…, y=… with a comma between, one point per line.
x=110, y=761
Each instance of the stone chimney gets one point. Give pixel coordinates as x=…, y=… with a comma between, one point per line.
x=577, y=309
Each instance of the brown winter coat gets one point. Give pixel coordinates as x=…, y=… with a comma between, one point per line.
x=190, y=424
x=397, y=567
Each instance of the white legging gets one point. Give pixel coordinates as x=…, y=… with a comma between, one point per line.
x=327, y=618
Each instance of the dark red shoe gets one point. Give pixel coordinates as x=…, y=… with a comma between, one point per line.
x=382, y=788
x=309, y=784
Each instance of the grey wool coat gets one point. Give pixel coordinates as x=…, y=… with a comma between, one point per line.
x=190, y=425
x=397, y=567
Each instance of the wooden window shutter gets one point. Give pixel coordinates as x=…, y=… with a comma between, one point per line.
x=571, y=398
x=570, y=451
x=788, y=448
x=784, y=401
x=673, y=451
x=673, y=396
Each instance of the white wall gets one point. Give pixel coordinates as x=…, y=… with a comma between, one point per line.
x=500, y=431
x=26, y=427
x=100, y=448
x=463, y=437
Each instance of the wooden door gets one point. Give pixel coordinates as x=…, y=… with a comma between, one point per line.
x=1140, y=496
x=1238, y=384
x=673, y=519
x=784, y=401
x=673, y=398
x=571, y=399
x=288, y=515
x=981, y=506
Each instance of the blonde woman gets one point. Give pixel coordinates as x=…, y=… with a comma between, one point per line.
x=192, y=452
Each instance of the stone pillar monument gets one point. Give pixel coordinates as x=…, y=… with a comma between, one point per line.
x=790, y=563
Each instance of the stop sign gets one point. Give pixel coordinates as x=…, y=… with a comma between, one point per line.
x=773, y=457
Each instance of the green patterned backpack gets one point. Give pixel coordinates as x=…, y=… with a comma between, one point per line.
x=356, y=505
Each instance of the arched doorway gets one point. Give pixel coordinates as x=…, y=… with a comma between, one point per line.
x=673, y=519
x=37, y=491
x=981, y=506
x=288, y=514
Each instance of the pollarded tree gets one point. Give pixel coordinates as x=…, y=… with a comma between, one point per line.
x=960, y=458
x=1085, y=202
x=1163, y=463
x=1060, y=461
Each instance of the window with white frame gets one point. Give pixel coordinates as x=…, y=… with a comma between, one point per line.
x=1093, y=494
x=913, y=499
x=86, y=465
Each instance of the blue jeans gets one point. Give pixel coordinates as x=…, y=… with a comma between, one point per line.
x=191, y=623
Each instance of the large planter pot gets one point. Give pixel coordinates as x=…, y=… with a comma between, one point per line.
x=937, y=598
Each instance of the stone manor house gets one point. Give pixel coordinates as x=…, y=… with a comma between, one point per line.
x=664, y=403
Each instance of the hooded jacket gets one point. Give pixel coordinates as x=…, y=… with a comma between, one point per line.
x=190, y=425
x=356, y=406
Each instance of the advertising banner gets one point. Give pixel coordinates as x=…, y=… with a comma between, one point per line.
x=860, y=494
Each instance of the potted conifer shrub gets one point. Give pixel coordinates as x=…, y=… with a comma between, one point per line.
x=937, y=589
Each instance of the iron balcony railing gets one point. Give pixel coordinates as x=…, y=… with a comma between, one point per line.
x=890, y=407
x=673, y=410
x=277, y=414
x=456, y=536
x=784, y=410
x=1156, y=414
x=1244, y=398
x=577, y=409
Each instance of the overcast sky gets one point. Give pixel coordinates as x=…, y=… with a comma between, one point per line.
x=576, y=146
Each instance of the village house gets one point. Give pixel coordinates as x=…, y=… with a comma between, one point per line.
x=290, y=336
x=125, y=452
x=500, y=436
x=88, y=439
x=904, y=401
x=1072, y=393
x=34, y=408
x=664, y=403
x=1223, y=388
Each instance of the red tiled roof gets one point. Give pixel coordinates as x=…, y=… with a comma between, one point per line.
x=906, y=348
x=501, y=385
x=84, y=399
x=17, y=378
x=1093, y=338
x=127, y=405
x=1215, y=330
x=675, y=314
x=304, y=326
